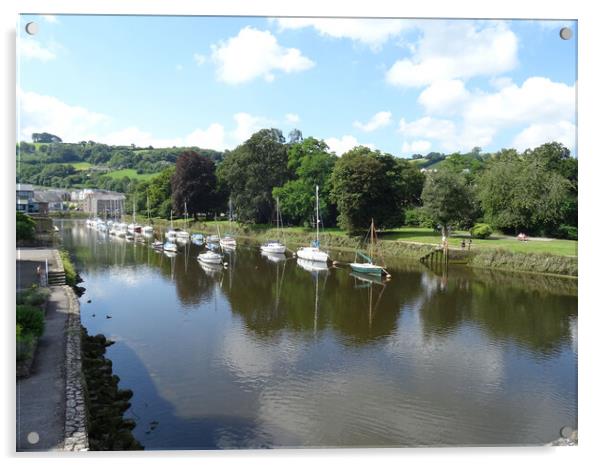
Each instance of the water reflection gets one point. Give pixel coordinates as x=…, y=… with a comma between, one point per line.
x=272, y=351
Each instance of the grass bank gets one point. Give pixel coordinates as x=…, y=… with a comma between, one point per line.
x=540, y=255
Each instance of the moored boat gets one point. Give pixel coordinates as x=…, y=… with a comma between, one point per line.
x=313, y=252
x=210, y=257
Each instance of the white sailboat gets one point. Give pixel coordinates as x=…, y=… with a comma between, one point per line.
x=170, y=247
x=147, y=229
x=228, y=241
x=171, y=233
x=275, y=246
x=134, y=227
x=210, y=257
x=183, y=235
x=313, y=252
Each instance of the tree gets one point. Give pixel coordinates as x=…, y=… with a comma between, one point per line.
x=26, y=227
x=312, y=165
x=448, y=199
x=193, y=184
x=252, y=171
x=368, y=184
x=295, y=136
x=45, y=137
x=522, y=193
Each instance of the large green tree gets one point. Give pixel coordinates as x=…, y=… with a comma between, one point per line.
x=312, y=165
x=448, y=199
x=523, y=193
x=368, y=184
x=193, y=184
x=252, y=170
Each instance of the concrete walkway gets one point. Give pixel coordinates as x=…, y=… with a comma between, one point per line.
x=28, y=259
x=41, y=396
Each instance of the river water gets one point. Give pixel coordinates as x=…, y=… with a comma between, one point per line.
x=268, y=354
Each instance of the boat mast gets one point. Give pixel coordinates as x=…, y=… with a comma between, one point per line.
x=317, y=217
x=185, y=216
x=148, y=208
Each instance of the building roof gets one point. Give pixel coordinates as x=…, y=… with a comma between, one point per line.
x=24, y=187
x=47, y=196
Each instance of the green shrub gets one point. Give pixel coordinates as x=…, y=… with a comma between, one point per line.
x=26, y=227
x=33, y=297
x=25, y=343
x=481, y=230
x=70, y=274
x=417, y=217
x=31, y=320
x=567, y=232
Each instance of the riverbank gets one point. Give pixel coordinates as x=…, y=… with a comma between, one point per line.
x=553, y=257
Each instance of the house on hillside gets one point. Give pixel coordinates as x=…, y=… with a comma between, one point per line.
x=55, y=198
x=26, y=201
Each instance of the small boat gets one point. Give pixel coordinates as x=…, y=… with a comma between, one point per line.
x=213, y=239
x=212, y=246
x=369, y=267
x=313, y=252
x=197, y=238
x=182, y=235
x=157, y=245
x=170, y=254
x=147, y=230
x=129, y=236
x=210, y=257
x=275, y=246
x=170, y=247
x=227, y=242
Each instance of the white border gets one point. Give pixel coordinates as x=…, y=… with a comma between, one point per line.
x=589, y=229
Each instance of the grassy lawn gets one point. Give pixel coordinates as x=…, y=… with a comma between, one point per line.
x=80, y=166
x=131, y=173
x=559, y=247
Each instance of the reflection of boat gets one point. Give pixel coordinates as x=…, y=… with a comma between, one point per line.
x=210, y=269
x=181, y=239
x=273, y=257
x=368, y=267
x=368, y=278
x=157, y=245
x=212, y=246
x=129, y=236
x=210, y=257
x=169, y=246
x=170, y=254
x=171, y=233
x=213, y=239
x=312, y=266
x=313, y=252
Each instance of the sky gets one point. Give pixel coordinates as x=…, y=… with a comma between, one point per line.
x=402, y=86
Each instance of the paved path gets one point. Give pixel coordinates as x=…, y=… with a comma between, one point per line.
x=41, y=396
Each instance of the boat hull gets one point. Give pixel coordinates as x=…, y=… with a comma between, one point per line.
x=369, y=269
x=210, y=258
x=273, y=248
x=312, y=254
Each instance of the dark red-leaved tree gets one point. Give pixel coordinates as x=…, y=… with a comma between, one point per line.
x=193, y=183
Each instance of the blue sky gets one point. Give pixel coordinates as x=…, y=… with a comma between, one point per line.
x=401, y=86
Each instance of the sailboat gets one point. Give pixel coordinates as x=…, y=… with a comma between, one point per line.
x=313, y=252
x=171, y=233
x=228, y=241
x=275, y=246
x=134, y=227
x=147, y=229
x=210, y=257
x=183, y=235
x=369, y=267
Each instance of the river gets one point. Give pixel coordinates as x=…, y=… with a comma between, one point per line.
x=267, y=354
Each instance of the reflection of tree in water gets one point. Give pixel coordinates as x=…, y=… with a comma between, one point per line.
x=192, y=284
x=506, y=306
x=341, y=304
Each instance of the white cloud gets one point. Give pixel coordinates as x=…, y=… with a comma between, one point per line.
x=292, y=118
x=199, y=59
x=50, y=18
x=378, y=120
x=246, y=125
x=371, y=32
x=547, y=107
x=134, y=135
x=39, y=113
x=540, y=133
x=214, y=137
x=344, y=144
x=253, y=54
x=456, y=50
x=30, y=48
x=443, y=97
x=179, y=67
x=416, y=147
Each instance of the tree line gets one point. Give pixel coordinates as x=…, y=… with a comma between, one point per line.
x=534, y=192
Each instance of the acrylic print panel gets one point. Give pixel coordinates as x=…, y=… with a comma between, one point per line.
x=296, y=232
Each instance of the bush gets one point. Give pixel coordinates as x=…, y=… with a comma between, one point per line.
x=567, y=232
x=25, y=344
x=26, y=227
x=417, y=217
x=31, y=320
x=33, y=297
x=70, y=274
x=481, y=230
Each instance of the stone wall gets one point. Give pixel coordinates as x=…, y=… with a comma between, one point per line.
x=76, y=432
